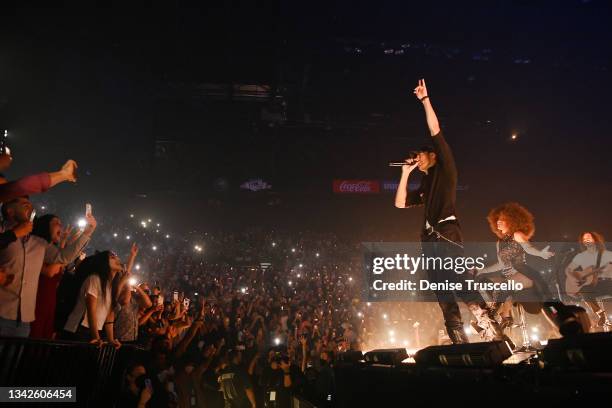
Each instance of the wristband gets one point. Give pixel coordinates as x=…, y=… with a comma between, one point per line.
x=423, y=98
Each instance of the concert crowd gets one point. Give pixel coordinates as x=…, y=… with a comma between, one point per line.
x=248, y=318
x=222, y=318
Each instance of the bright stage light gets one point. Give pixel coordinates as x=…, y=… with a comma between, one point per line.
x=154, y=248
x=127, y=237
x=137, y=266
x=277, y=341
x=82, y=223
x=115, y=235
x=384, y=316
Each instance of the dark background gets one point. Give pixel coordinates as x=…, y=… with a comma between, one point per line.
x=143, y=97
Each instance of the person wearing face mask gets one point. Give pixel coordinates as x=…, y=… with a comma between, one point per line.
x=136, y=391
x=277, y=380
x=22, y=261
x=589, y=275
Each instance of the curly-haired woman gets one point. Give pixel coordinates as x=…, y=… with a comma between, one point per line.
x=514, y=226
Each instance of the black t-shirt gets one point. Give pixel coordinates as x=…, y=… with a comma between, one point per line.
x=273, y=381
x=438, y=189
x=234, y=382
x=324, y=384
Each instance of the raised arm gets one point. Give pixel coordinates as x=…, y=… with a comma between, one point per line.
x=432, y=120
x=530, y=249
x=497, y=266
x=71, y=251
x=37, y=183
x=143, y=299
x=132, y=258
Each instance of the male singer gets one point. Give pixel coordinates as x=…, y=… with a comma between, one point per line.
x=441, y=234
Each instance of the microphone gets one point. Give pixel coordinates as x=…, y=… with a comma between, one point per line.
x=408, y=162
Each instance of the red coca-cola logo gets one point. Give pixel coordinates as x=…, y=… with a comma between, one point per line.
x=356, y=186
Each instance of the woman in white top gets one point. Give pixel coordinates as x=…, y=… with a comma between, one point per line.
x=93, y=308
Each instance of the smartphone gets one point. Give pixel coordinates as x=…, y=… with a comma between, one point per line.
x=88, y=210
x=160, y=300
x=186, y=302
x=148, y=384
x=175, y=296
x=32, y=215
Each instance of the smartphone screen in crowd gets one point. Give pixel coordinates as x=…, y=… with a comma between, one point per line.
x=175, y=296
x=88, y=210
x=32, y=215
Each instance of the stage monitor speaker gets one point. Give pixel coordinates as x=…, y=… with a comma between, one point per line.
x=584, y=351
x=392, y=356
x=487, y=354
x=351, y=356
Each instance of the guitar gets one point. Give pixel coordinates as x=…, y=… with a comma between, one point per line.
x=585, y=277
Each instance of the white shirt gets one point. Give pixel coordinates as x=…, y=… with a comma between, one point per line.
x=91, y=286
x=589, y=258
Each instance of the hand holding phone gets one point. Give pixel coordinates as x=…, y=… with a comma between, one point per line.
x=87, y=210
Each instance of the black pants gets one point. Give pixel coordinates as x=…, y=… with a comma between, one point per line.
x=438, y=247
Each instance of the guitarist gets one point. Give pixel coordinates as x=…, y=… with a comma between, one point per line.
x=590, y=273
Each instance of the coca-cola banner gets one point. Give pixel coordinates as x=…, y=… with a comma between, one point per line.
x=357, y=186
